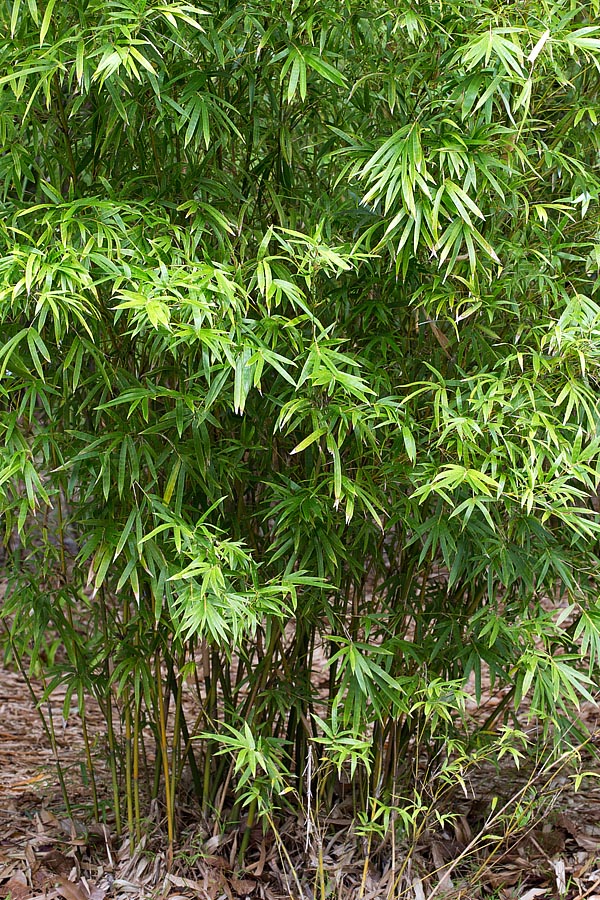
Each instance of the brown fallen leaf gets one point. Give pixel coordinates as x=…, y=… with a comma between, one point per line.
x=242, y=886
x=257, y=868
x=70, y=890
x=94, y=891
x=585, y=841
x=56, y=862
x=16, y=887
x=217, y=862
x=46, y=819
x=178, y=881
x=508, y=874
x=445, y=882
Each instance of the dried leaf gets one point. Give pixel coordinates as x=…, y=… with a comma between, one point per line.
x=16, y=887
x=560, y=873
x=57, y=862
x=418, y=889
x=70, y=890
x=243, y=886
x=532, y=893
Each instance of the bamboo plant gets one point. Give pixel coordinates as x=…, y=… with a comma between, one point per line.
x=298, y=385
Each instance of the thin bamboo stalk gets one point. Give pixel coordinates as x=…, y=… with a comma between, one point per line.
x=162, y=730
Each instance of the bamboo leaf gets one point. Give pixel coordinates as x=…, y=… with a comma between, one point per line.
x=46, y=20
x=307, y=441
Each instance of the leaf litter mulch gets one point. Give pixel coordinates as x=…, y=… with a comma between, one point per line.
x=46, y=853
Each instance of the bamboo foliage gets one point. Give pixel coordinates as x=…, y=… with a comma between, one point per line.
x=298, y=379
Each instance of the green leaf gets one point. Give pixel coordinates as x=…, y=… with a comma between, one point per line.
x=324, y=69
x=46, y=20
x=307, y=441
